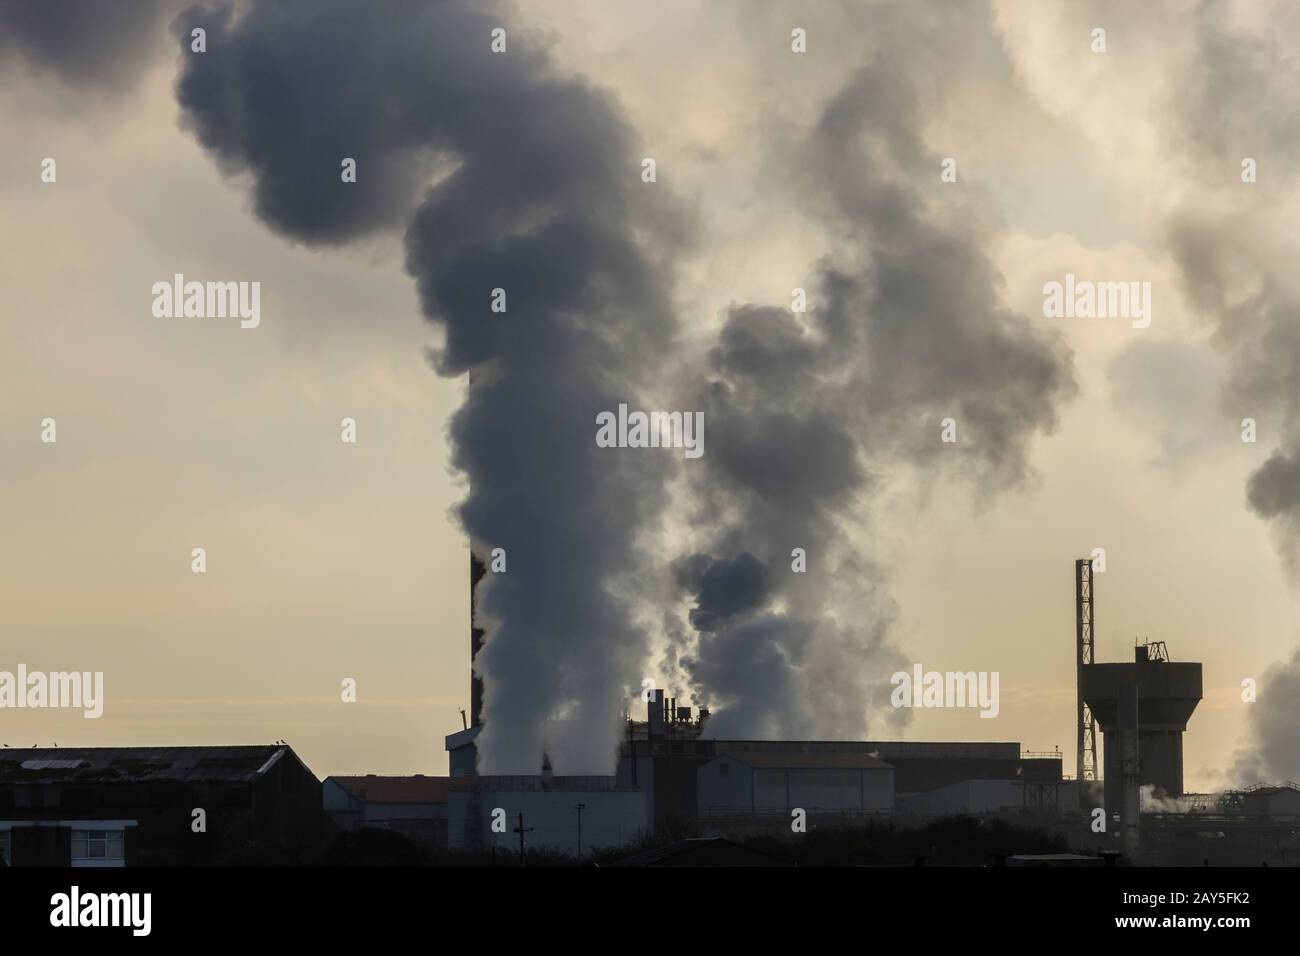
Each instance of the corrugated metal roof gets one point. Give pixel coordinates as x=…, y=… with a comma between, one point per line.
x=135, y=764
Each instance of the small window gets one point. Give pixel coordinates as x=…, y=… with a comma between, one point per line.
x=97, y=844
x=724, y=770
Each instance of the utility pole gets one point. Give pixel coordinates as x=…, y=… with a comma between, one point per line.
x=521, y=831
x=580, y=808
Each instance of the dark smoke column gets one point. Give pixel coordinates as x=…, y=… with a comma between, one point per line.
x=476, y=572
x=505, y=176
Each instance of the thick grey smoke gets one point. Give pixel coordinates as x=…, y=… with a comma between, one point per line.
x=85, y=43
x=504, y=176
x=1236, y=259
x=1274, y=728
x=722, y=588
x=1274, y=493
x=907, y=329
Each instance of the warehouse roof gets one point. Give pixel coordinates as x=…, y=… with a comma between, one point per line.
x=44, y=765
x=808, y=761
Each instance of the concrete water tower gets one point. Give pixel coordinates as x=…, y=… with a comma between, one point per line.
x=1167, y=694
x=1142, y=709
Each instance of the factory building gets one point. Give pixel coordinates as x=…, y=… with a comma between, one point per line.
x=679, y=771
x=1278, y=801
x=781, y=781
x=672, y=777
x=968, y=796
x=923, y=766
x=682, y=776
x=1141, y=708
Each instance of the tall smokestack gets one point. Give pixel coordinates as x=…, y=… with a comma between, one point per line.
x=476, y=571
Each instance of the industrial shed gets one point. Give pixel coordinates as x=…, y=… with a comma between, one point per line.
x=781, y=781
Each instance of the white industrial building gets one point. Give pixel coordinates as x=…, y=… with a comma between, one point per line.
x=754, y=782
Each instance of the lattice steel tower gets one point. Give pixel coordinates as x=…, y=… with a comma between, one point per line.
x=1084, y=622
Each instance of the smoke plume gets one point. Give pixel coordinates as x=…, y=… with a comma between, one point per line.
x=1234, y=246
x=503, y=176
x=807, y=412
x=85, y=43
x=1274, y=728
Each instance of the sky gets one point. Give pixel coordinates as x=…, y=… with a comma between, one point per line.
x=774, y=170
